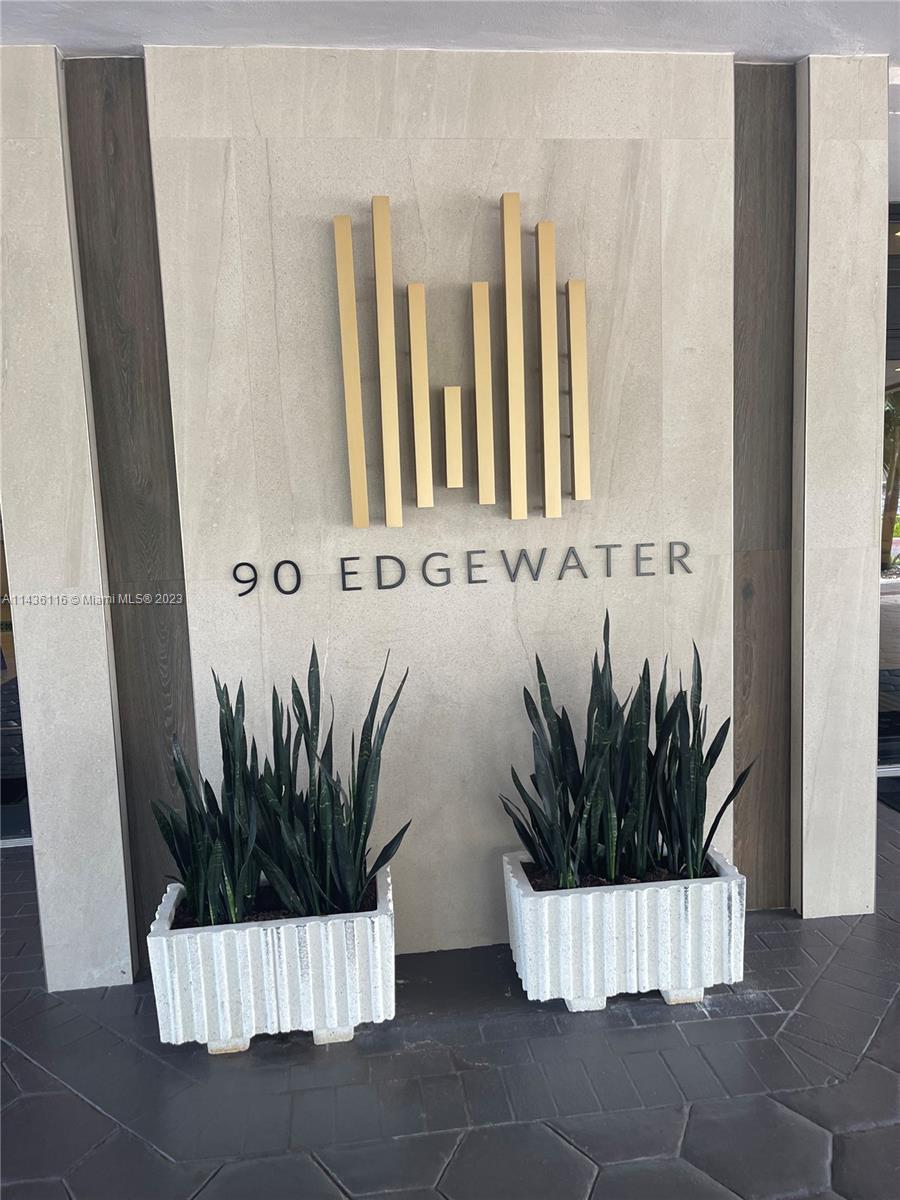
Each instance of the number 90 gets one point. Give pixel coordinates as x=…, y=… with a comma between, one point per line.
x=286, y=577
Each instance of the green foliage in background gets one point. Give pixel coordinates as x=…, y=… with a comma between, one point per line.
x=292, y=824
x=625, y=809
x=891, y=473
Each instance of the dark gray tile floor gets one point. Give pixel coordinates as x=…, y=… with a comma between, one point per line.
x=786, y=1085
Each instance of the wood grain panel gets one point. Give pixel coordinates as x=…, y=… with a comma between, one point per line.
x=484, y=391
x=511, y=219
x=387, y=361
x=112, y=190
x=765, y=158
x=421, y=395
x=545, y=240
x=356, y=434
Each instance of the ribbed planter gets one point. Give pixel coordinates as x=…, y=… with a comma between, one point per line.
x=585, y=944
x=223, y=984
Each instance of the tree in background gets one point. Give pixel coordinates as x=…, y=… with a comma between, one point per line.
x=891, y=471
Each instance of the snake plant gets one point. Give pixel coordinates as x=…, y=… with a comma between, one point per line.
x=213, y=842
x=313, y=841
x=295, y=825
x=624, y=809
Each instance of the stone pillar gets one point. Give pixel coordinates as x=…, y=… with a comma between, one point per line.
x=53, y=539
x=842, y=173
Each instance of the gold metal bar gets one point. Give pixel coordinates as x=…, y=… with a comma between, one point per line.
x=515, y=354
x=453, y=436
x=387, y=360
x=484, y=393
x=421, y=399
x=356, y=442
x=576, y=312
x=546, y=272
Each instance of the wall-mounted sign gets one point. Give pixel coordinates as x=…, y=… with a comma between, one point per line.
x=576, y=321
x=438, y=569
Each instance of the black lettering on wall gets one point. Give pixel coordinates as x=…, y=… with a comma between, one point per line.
x=679, y=557
x=443, y=573
x=608, y=548
x=472, y=566
x=572, y=562
x=287, y=581
x=346, y=574
x=524, y=557
x=640, y=559
x=380, y=560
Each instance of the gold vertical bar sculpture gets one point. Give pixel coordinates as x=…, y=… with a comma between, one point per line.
x=484, y=394
x=356, y=444
x=515, y=353
x=421, y=400
x=546, y=272
x=453, y=436
x=576, y=310
x=387, y=360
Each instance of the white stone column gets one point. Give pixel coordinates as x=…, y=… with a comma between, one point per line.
x=51, y=526
x=842, y=173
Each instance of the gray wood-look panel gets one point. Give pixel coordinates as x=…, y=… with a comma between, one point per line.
x=112, y=189
x=765, y=161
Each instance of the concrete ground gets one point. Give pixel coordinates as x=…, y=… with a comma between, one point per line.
x=786, y=1085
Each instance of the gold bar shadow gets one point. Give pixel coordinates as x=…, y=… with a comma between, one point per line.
x=515, y=353
x=484, y=394
x=453, y=436
x=421, y=400
x=552, y=455
x=356, y=443
x=576, y=310
x=387, y=360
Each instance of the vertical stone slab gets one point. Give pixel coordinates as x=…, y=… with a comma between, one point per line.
x=52, y=531
x=764, y=223
x=696, y=304
x=113, y=203
x=842, y=176
x=631, y=156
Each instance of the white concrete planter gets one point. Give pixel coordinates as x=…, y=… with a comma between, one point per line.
x=222, y=984
x=585, y=944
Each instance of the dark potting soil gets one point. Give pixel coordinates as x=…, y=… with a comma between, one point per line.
x=542, y=882
x=269, y=908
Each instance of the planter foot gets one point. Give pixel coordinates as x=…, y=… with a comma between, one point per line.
x=586, y=1003
x=232, y=1047
x=682, y=996
x=341, y=1033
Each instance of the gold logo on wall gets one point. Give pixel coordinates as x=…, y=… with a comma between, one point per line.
x=576, y=321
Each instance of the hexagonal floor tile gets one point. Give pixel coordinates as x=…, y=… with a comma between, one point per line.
x=416, y=1194
x=102, y=1175
x=517, y=1162
x=667, y=1178
x=617, y=1137
x=867, y=1165
x=758, y=1148
x=885, y=1046
x=41, y=1189
x=391, y=1166
x=44, y=1135
x=871, y=1096
x=291, y=1175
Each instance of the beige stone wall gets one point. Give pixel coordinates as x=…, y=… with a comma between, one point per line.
x=50, y=527
x=839, y=396
x=631, y=155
